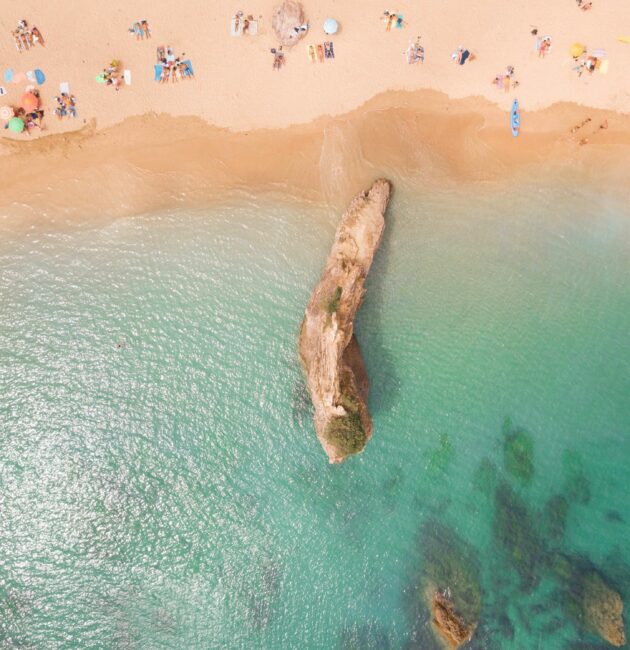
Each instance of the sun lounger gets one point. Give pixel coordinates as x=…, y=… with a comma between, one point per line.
x=234, y=30
x=157, y=72
x=127, y=77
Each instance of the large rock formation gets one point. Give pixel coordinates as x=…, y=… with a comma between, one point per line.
x=335, y=374
x=286, y=22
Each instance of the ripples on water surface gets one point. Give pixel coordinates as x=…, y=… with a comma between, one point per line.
x=162, y=486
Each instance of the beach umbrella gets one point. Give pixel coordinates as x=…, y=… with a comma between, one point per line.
x=6, y=113
x=331, y=26
x=29, y=101
x=577, y=49
x=16, y=124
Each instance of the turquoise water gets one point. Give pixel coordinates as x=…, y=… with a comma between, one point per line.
x=161, y=483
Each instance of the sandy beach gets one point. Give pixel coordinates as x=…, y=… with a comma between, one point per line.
x=318, y=129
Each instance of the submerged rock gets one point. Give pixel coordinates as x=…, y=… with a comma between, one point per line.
x=518, y=452
x=555, y=517
x=589, y=600
x=451, y=588
x=576, y=485
x=449, y=624
x=516, y=532
x=335, y=373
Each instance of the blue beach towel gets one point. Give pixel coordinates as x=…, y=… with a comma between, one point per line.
x=189, y=70
x=40, y=77
x=8, y=75
x=465, y=55
x=157, y=74
x=399, y=21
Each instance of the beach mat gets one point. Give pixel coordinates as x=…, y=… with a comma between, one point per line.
x=8, y=75
x=157, y=72
x=64, y=87
x=233, y=30
x=189, y=67
x=252, y=30
x=40, y=77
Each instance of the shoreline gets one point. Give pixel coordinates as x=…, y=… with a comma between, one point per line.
x=155, y=161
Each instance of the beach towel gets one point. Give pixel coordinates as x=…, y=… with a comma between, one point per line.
x=603, y=68
x=30, y=75
x=19, y=78
x=40, y=77
x=234, y=30
x=127, y=77
x=399, y=21
x=3, y=91
x=157, y=72
x=465, y=55
x=64, y=87
x=8, y=75
x=188, y=72
x=252, y=29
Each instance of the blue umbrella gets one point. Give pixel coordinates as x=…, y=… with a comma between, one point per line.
x=331, y=26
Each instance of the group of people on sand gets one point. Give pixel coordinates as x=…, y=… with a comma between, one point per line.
x=586, y=62
x=602, y=127
x=241, y=23
x=415, y=52
x=32, y=117
x=506, y=79
x=141, y=30
x=461, y=55
x=584, y=5
x=173, y=67
x=66, y=105
x=26, y=37
x=111, y=75
x=278, y=57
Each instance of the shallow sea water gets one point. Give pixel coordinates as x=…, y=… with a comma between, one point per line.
x=161, y=482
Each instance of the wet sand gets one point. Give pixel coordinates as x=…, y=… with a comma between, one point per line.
x=154, y=161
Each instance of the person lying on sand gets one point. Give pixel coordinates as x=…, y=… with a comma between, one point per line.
x=583, y=5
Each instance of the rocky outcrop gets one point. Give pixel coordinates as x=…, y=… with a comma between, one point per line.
x=603, y=610
x=453, y=630
x=287, y=20
x=335, y=373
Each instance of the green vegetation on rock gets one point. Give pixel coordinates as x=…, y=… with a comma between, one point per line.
x=346, y=433
x=332, y=304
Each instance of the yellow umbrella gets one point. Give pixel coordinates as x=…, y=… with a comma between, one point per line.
x=577, y=49
x=624, y=39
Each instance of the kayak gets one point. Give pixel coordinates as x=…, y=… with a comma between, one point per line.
x=515, y=119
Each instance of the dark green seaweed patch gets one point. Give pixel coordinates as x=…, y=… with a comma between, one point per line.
x=441, y=456
x=516, y=532
x=518, y=452
x=576, y=485
x=555, y=517
x=451, y=563
x=485, y=477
